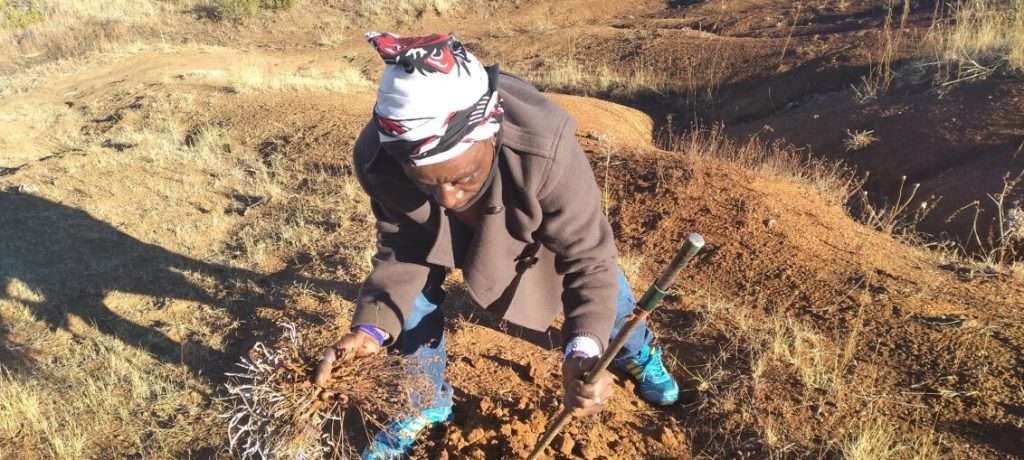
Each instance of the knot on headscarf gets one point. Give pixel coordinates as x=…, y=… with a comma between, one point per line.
x=435, y=98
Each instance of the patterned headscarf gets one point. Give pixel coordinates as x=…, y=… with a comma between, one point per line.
x=435, y=98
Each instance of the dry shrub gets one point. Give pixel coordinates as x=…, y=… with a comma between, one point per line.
x=276, y=412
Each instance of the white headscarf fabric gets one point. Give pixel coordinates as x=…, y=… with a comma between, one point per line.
x=434, y=100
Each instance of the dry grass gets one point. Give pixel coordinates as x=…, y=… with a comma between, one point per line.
x=255, y=79
x=18, y=16
x=568, y=74
x=881, y=73
x=766, y=362
x=834, y=181
x=977, y=38
x=899, y=217
x=240, y=9
x=565, y=71
x=1003, y=244
x=89, y=393
x=82, y=391
x=68, y=29
x=403, y=8
x=859, y=140
x=874, y=441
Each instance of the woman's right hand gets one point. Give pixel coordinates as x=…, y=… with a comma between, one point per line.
x=356, y=344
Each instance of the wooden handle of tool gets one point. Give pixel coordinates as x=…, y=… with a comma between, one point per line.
x=694, y=242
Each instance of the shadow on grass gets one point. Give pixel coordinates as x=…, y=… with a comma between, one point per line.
x=71, y=261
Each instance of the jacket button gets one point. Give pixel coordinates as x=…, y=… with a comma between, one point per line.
x=494, y=209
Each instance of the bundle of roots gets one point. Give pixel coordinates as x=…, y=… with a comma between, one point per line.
x=277, y=412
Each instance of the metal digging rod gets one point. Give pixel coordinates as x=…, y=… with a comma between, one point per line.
x=694, y=242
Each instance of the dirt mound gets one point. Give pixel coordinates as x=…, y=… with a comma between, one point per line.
x=596, y=118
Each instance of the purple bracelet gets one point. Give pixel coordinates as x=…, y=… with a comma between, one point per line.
x=371, y=330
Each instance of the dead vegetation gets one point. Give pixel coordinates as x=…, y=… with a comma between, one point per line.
x=276, y=412
x=976, y=39
x=832, y=180
x=859, y=140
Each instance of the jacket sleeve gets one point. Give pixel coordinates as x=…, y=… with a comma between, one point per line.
x=576, y=230
x=387, y=295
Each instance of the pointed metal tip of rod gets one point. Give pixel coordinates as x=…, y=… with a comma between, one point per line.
x=696, y=240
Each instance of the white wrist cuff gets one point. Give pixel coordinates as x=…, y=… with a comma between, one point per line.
x=584, y=346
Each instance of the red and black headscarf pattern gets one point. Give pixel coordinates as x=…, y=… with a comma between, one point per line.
x=446, y=133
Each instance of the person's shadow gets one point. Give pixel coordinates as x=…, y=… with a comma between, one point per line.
x=62, y=263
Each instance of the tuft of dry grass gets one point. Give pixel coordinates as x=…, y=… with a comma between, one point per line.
x=873, y=441
x=881, y=73
x=859, y=140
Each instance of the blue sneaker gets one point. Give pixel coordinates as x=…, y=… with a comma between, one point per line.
x=653, y=381
x=396, y=440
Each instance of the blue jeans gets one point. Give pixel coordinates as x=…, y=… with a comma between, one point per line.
x=422, y=339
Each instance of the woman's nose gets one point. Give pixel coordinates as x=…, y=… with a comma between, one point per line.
x=448, y=195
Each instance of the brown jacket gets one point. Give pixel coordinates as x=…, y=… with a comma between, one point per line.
x=543, y=243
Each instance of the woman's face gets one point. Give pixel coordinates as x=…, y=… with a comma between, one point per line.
x=452, y=183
